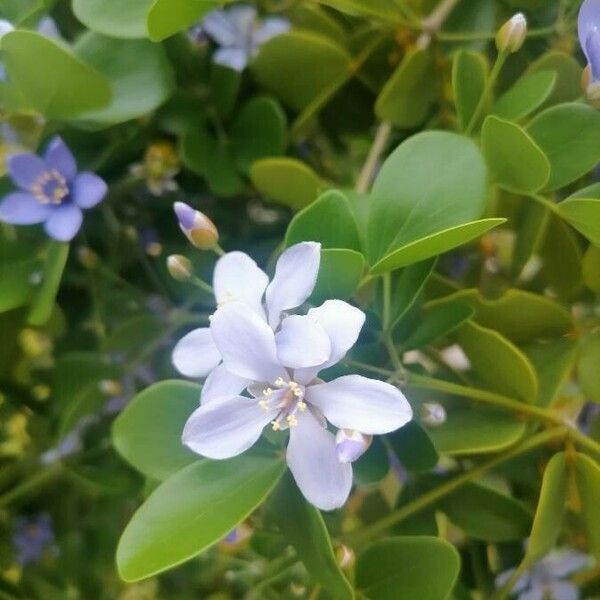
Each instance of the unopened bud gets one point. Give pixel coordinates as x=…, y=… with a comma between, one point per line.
x=345, y=557
x=351, y=445
x=590, y=86
x=87, y=257
x=433, y=414
x=110, y=387
x=179, y=267
x=196, y=226
x=511, y=36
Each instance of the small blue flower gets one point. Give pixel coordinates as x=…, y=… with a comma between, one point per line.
x=32, y=535
x=589, y=34
x=51, y=191
x=239, y=34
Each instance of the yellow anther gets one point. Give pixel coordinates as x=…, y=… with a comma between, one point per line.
x=267, y=391
x=264, y=405
x=276, y=425
x=301, y=406
x=279, y=382
x=292, y=421
x=297, y=392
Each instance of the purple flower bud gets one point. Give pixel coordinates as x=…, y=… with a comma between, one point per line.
x=351, y=445
x=196, y=226
x=588, y=27
x=433, y=414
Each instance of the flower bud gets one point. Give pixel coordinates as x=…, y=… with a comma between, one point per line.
x=345, y=557
x=591, y=87
x=351, y=445
x=196, y=226
x=511, y=36
x=87, y=257
x=179, y=267
x=433, y=414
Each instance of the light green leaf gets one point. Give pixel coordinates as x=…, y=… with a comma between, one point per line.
x=407, y=97
x=568, y=75
x=587, y=476
x=568, y=134
x=167, y=17
x=287, y=181
x=114, y=17
x=130, y=66
x=550, y=510
x=587, y=366
x=339, y=274
x=192, y=510
x=51, y=78
x=19, y=264
x=469, y=75
x=433, y=182
x=408, y=567
x=147, y=434
x=434, y=244
x=584, y=215
x=516, y=162
x=303, y=527
x=526, y=95
x=329, y=220
x=591, y=269
x=384, y=10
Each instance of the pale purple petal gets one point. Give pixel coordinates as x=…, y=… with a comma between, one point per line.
x=243, y=18
x=312, y=458
x=588, y=21
x=225, y=427
x=270, y=27
x=535, y=593
x=356, y=402
x=220, y=28
x=59, y=157
x=522, y=582
x=64, y=222
x=592, y=51
x=246, y=343
x=47, y=26
x=195, y=355
x=25, y=168
x=563, y=562
x=302, y=342
x=234, y=58
x=238, y=278
x=221, y=384
x=21, y=208
x=351, y=445
x=186, y=215
x=88, y=190
x=564, y=590
x=295, y=277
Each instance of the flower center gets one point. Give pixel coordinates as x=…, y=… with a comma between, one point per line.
x=288, y=399
x=50, y=187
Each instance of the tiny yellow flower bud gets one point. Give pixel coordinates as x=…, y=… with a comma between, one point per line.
x=179, y=267
x=196, y=226
x=87, y=257
x=511, y=36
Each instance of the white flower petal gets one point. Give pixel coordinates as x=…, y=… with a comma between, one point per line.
x=295, y=277
x=565, y=562
x=196, y=355
x=246, y=343
x=234, y=58
x=270, y=27
x=225, y=427
x=302, y=342
x=356, y=402
x=220, y=28
x=564, y=590
x=238, y=278
x=312, y=458
x=342, y=322
x=221, y=384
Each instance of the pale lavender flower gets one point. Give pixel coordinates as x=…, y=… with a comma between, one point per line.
x=588, y=27
x=276, y=358
x=51, y=191
x=239, y=34
x=546, y=580
x=32, y=535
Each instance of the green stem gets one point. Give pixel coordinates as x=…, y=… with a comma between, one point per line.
x=546, y=203
x=377, y=149
x=387, y=302
x=429, y=498
x=31, y=484
x=199, y=283
x=218, y=250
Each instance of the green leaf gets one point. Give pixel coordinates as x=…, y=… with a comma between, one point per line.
x=587, y=476
x=526, y=95
x=497, y=363
x=249, y=142
x=408, y=567
x=584, y=215
x=591, y=269
x=147, y=434
x=434, y=244
x=285, y=66
x=42, y=304
x=438, y=322
x=410, y=92
x=408, y=204
x=515, y=161
x=373, y=465
x=167, y=17
x=339, y=274
x=192, y=510
x=485, y=514
x=130, y=66
x=113, y=17
x=133, y=334
x=469, y=76
x=414, y=448
x=328, y=220
x=550, y=510
x=303, y=527
x=530, y=231
x=385, y=10
x=19, y=264
x=568, y=76
x=587, y=366
x=568, y=134
x=286, y=180
x=518, y=315
x=51, y=78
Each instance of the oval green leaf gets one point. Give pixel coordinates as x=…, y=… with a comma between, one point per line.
x=114, y=17
x=167, y=17
x=587, y=476
x=339, y=274
x=527, y=94
x=469, y=76
x=584, y=215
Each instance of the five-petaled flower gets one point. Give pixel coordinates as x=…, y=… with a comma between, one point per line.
x=52, y=191
x=239, y=34
x=276, y=357
x=588, y=26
